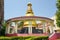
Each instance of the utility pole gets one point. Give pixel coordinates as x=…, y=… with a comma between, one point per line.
x=1, y=13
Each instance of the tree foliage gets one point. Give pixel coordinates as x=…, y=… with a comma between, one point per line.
x=2, y=32
x=58, y=13
x=21, y=24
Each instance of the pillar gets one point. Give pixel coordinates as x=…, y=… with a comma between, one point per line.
x=8, y=28
x=44, y=25
x=50, y=27
x=44, y=28
x=30, y=27
x=47, y=27
x=15, y=27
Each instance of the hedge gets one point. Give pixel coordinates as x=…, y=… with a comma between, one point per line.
x=25, y=38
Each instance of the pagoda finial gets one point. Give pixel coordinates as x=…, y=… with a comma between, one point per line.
x=29, y=4
x=29, y=9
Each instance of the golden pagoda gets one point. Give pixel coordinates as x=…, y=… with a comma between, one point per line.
x=31, y=25
x=29, y=12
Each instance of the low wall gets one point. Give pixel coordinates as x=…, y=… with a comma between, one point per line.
x=16, y=34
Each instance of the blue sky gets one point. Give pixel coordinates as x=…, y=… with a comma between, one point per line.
x=17, y=8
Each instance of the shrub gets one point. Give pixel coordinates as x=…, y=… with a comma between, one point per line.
x=25, y=38
x=40, y=38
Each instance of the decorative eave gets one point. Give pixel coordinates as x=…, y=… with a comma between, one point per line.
x=29, y=17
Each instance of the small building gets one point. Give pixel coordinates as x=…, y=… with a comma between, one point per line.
x=29, y=25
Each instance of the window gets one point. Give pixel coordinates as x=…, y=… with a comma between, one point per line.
x=34, y=30
x=23, y=30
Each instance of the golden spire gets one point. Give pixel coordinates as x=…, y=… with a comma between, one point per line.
x=29, y=13
x=29, y=10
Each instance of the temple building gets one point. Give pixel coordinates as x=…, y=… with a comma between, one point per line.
x=29, y=25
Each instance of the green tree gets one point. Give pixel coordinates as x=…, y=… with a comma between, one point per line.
x=2, y=33
x=58, y=13
x=20, y=25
